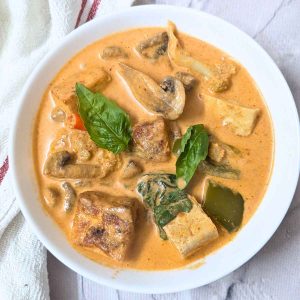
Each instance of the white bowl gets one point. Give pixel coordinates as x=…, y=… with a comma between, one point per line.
x=286, y=160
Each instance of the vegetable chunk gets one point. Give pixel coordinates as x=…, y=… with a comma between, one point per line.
x=64, y=92
x=223, y=205
x=70, y=196
x=219, y=170
x=151, y=140
x=154, y=47
x=113, y=52
x=189, y=231
x=240, y=119
x=187, y=79
x=161, y=195
x=217, y=77
x=167, y=103
x=97, y=162
x=105, y=222
x=61, y=165
x=177, y=215
x=216, y=152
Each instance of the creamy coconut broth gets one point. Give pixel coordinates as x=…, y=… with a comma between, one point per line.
x=240, y=143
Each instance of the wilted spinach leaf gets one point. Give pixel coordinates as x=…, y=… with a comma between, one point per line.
x=161, y=194
x=107, y=124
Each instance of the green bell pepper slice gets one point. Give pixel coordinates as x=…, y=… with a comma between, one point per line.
x=223, y=205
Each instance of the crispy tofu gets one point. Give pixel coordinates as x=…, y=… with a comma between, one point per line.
x=64, y=92
x=104, y=222
x=240, y=119
x=151, y=140
x=189, y=231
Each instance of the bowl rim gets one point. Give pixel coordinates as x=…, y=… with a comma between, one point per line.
x=115, y=283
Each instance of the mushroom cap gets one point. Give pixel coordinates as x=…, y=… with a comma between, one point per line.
x=168, y=104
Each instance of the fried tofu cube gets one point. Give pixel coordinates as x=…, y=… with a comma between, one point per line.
x=151, y=140
x=189, y=231
x=64, y=92
x=104, y=222
x=240, y=119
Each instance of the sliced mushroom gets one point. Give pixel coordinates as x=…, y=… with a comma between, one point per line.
x=169, y=103
x=187, y=79
x=168, y=84
x=131, y=169
x=58, y=115
x=59, y=165
x=217, y=77
x=51, y=196
x=181, y=57
x=82, y=183
x=70, y=196
x=113, y=52
x=158, y=44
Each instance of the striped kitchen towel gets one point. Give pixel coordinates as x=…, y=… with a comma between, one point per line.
x=29, y=28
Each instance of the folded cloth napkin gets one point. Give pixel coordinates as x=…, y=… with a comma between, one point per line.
x=28, y=29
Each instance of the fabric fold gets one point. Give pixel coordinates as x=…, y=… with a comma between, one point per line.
x=29, y=28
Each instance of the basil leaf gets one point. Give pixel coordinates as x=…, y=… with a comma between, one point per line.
x=193, y=149
x=176, y=147
x=180, y=143
x=107, y=124
x=160, y=193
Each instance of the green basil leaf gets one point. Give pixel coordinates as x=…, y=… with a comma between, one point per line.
x=160, y=193
x=193, y=149
x=176, y=147
x=185, y=139
x=179, y=144
x=107, y=124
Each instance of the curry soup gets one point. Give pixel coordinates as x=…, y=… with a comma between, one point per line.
x=108, y=189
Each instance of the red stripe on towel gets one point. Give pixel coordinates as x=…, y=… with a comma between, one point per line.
x=83, y=4
x=93, y=10
x=3, y=169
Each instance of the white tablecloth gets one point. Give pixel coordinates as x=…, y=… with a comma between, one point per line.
x=274, y=273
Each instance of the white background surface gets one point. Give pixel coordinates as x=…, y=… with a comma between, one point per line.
x=274, y=272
